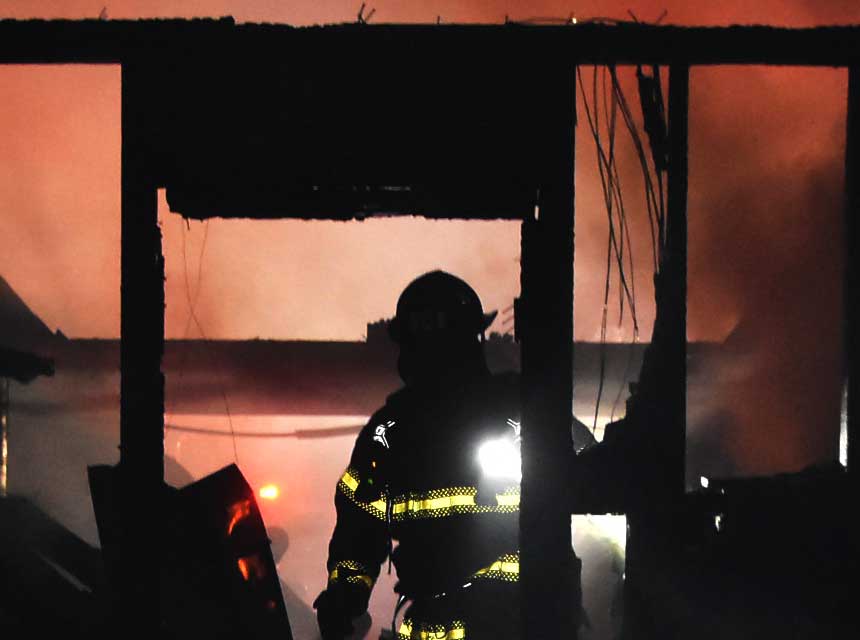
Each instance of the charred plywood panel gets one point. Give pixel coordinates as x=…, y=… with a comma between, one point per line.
x=325, y=124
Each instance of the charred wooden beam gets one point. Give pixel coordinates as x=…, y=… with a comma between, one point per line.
x=93, y=41
x=547, y=578
x=675, y=264
x=602, y=43
x=104, y=41
x=852, y=273
x=142, y=382
x=272, y=200
x=656, y=516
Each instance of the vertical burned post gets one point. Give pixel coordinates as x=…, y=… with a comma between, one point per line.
x=655, y=517
x=142, y=383
x=675, y=272
x=852, y=272
x=547, y=573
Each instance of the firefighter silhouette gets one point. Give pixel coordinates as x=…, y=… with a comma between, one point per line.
x=433, y=481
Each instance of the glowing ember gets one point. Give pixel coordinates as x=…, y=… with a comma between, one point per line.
x=269, y=492
x=238, y=512
x=244, y=569
x=251, y=567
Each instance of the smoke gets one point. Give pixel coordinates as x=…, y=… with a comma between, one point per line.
x=766, y=152
x=59, y=180
x=766, y=253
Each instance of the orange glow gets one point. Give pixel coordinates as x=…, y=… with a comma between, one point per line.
x=270, y=492
x=251, y=567
x=244, y=569
x=238, y=512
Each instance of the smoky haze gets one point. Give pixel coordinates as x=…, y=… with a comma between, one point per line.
x=766, y=151
x=765, y=253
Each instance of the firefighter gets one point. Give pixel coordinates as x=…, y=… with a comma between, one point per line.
x=436, y=471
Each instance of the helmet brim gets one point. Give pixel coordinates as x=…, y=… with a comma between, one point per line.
x=394, y=329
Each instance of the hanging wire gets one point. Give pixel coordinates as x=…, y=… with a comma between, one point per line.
x=192, y=303
x=594, y=126
x=610, y=184
x=619, y=242
x=193, y=318
x=655, y=125
x=654, y=197
x=191, y=300
x=606, y=92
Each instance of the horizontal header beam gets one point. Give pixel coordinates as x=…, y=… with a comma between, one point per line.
x=114, y=41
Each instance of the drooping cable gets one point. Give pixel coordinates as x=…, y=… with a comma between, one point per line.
x=610, y=183
x=193, y=318
x=654, y=197
x=652, y=162
x=191, y=300
x=654, y=120
x=619, y=240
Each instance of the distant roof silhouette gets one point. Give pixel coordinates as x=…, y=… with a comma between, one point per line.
x=20, y=328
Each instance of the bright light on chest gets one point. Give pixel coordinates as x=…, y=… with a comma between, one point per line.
x=500, y=459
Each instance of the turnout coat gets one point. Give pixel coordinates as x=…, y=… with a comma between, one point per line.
x=433, y=484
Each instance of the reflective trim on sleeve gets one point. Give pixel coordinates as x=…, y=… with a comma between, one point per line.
x=510, y=497
x=440, y=503
x=352, y=572
x=347, y=485
x=349, y=480
x=362, y=579
x=410, y=631
x=506, y=568
x=437, y=500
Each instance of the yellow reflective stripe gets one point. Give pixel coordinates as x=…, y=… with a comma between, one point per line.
x=367, y=580
x=345, y=564
x=349, y=480
x=506, y=568
x=508, y=499
x=435, y=503
x=452, y=501
x=342, y=569
x=349, y=483
x=430, y=504
x=432, y=632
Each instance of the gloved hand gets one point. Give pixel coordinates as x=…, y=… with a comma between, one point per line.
x=334, y=614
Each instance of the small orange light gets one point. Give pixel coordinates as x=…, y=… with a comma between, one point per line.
x=269, y=492
x=251, y=567
x=238, y=512
x=244, y=568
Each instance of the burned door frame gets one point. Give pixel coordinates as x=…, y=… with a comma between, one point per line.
x=547, y=243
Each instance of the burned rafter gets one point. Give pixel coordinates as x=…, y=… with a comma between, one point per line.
x=114, y=41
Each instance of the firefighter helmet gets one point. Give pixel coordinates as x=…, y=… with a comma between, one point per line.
x=438, y=303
